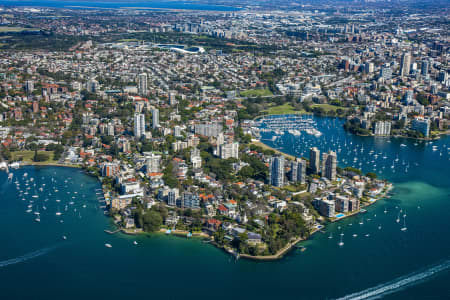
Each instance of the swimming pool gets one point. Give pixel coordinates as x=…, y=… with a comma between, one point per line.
x=339, y=215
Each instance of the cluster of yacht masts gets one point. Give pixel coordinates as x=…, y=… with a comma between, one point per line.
x=292, y=124
x=350, y=153
x=400, y=216
x=38, y=197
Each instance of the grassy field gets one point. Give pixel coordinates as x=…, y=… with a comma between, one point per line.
x=256, y=93
x=284, y=109
x=128, y=40
x=328, y=107
x=15, y=29
x=27, y=156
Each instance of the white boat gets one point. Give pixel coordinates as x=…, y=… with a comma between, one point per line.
x=58, y=213
x=341, y=243
x=135, y=243
x=108, y=245
x=64, y=237
x=37, y=219
x=404, y=228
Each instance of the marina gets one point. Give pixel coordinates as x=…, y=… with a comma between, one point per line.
x=421, y=194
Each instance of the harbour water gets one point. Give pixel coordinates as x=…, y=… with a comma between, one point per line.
x=381, y=261
x=136, y=4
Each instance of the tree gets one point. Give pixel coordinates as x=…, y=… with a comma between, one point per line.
x=246, y=172
x=152, y=221
x=39, y=157
x=371, y=175
x=168, y=177
x=6, y=153
x=57, y=150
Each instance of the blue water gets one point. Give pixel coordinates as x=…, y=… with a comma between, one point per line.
x=120, y=4
x=36, y=263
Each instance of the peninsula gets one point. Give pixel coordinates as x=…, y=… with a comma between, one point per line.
x=161, y=106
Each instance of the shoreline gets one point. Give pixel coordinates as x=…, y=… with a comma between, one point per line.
x=44, y=164
x=286, y=249
x=266, y=147
x=428, y=139
x=183, y=233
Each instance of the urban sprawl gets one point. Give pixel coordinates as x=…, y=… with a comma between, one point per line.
x=166, y=107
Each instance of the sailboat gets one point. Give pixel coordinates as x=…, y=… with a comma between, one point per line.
x=331, y=235
x=341, y=243
x=404, y=224
x=398, y=217
x=38, y=218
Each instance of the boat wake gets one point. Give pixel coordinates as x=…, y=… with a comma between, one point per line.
x=27, y=256
x=397, y=284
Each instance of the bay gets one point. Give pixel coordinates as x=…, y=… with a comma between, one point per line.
x=36, y=263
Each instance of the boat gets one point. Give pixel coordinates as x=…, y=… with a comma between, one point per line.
x=341, y=243
x=108, y=245
x=363, y=211
x=58, y=213
x=38, y=219
x=64, y=237
x=404, y=228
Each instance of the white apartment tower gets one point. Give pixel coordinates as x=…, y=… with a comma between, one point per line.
x=139, y=125
x=155, y=118
x=142, y=84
